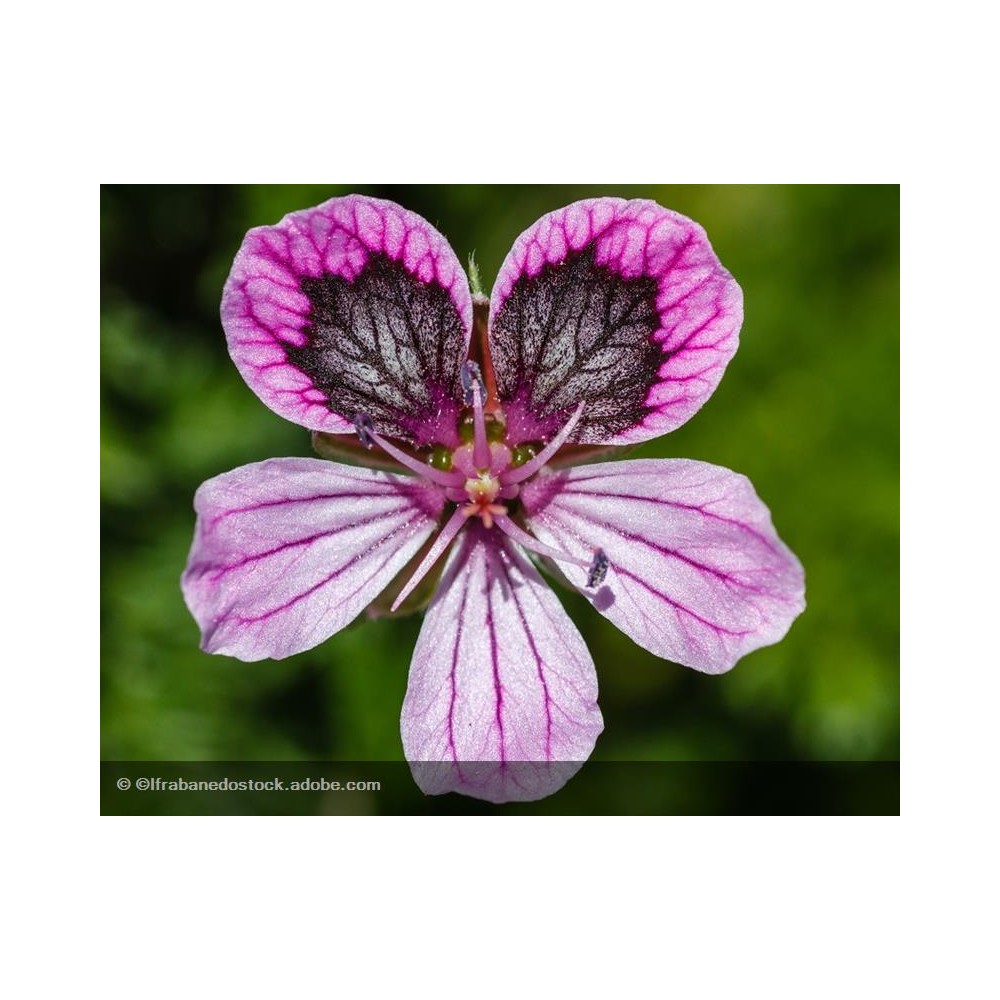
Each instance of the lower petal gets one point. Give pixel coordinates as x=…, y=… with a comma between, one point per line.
x=289, y=551
x=501, y=702
x=697, y=573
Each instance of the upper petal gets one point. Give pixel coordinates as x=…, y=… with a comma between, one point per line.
x=697, y=573
x=502, y=697
x=620, y=304
x=354, y=306
x=289, y=551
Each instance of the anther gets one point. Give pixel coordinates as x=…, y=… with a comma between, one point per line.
x=598, y=569
x=364, y=426
x=471, y=375
x=370, y=437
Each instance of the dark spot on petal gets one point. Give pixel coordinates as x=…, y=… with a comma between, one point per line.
x=579, y=331
x=385, y=344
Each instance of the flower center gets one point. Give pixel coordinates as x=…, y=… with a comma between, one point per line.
x=477, y=476
x=482, y=492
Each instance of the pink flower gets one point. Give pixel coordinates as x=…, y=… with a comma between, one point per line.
x=611, y=322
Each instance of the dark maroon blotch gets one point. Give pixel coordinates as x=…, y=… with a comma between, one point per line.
x=579, y=331
x=386, y=345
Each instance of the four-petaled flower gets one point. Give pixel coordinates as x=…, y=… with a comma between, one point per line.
x=610, y=323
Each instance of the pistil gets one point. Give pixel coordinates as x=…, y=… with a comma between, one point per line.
x=482, y=493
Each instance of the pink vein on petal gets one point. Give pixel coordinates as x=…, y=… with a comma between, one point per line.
x=698, y=559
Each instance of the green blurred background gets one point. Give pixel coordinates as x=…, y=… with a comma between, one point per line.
x=808, y=409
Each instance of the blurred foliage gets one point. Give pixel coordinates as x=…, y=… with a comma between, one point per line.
x=808, y=409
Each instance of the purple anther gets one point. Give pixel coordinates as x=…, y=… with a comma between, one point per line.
x=471, y=375
x=364, y=426
x=598, y=569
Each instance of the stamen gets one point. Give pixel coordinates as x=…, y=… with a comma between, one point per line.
x=369, y=436
x=475, y=396
x=598, y=569
x=522, y=472
x=509, y=527
x=448, y=532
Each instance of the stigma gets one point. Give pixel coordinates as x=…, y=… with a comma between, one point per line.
x=482, y=492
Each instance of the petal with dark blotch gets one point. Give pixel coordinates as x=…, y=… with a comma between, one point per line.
x=620, y=304
x=357, y=306
x=502, y=697
x=696, y=571
x=289, y=551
